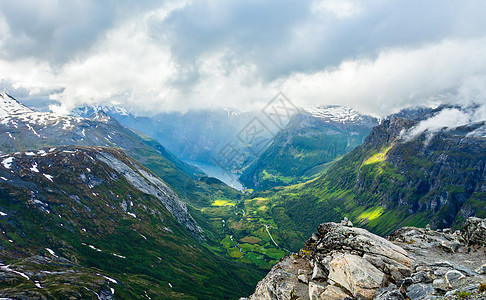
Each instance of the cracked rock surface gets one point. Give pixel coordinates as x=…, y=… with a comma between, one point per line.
x=345, y=262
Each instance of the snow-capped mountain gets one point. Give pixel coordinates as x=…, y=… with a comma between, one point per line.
x=19, y=120
x=202, y=135
x=9, y=105
x=88, y=110
x=22, y=129
x=336, y=113
x=27, y=129
x=197, y=136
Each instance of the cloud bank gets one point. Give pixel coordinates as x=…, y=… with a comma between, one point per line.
x=377, y=56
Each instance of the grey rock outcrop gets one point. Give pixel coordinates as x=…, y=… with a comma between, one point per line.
x=343, y=262
x=474, y=232
x=444, y=264
x=150, y=184
x=389, y=293
x=419, y=291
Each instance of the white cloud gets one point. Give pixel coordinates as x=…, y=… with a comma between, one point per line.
x=340, y=8
x=125, y=67
x=445, y=120
x=397, y=78
x=118, y=70
x=376, y=56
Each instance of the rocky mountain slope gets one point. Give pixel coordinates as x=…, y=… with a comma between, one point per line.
x=92, y=223
x=345, y=262
x=24, y=129
x=307, y=145
x=394, y=179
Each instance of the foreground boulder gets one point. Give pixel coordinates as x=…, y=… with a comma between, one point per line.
x=474, y=232
x=338, y=262
x=345, y=262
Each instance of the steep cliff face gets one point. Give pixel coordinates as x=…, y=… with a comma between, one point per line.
x=442, y=175
x=344, y=262
x=397, y=177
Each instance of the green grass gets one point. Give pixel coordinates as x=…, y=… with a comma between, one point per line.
x=235, y=253
x=251, y=240
x=378, y=157
x=221, y=202
x=246, y=221
x=227, y=242
x=371, y=214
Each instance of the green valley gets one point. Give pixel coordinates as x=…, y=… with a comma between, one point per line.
x=307, y=146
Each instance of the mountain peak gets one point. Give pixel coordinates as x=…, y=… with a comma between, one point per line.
x=334, y=113
x=10, y=106
x=101, y=116
x=88, y=111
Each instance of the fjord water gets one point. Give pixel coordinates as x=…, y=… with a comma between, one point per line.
x=225, y=176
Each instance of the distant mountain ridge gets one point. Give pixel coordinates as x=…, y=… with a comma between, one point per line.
x=9, y=105
x=194, y=135
x=202, y=135
x=308, y=144
x=338, y=114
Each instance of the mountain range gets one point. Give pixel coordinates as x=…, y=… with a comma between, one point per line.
x=91, y=208
x=99, y=211
x=83, y=221
x=312, y=140
x=26, y=129
x=195, y=135
x=394, y=179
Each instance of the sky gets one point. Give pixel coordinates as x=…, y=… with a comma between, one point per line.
x=156, y=56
